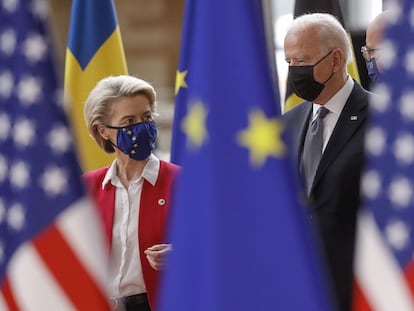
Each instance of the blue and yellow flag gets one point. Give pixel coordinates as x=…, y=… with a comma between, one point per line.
x=319, y=6
x=240, y=239
x=94, y=51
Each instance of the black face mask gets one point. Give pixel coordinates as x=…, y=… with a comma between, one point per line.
x=303, y=83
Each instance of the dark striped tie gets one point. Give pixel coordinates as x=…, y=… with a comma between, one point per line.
x=312, y=149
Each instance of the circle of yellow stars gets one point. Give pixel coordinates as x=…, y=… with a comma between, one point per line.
x=133, y=138
x=262, y=137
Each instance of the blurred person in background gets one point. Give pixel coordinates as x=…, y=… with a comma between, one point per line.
x=133, y=193
x=371, y=50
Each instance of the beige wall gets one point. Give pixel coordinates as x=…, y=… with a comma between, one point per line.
x=151, y=33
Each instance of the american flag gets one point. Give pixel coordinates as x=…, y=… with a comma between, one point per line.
x=50, y=243
x=385, y=248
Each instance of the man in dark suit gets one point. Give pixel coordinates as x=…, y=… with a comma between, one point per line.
x=317, y=51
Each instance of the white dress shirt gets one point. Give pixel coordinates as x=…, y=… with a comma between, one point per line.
x=335, y=105
x=125, y=272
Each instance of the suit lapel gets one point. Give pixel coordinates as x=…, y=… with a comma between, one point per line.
x=302, y=128
x=352, y=117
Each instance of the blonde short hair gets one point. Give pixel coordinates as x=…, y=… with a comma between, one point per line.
x=108, y=90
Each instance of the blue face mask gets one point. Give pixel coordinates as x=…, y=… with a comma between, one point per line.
x=137, y=140
x=373, y=72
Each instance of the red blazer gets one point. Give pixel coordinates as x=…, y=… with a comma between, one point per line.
x=153, y=213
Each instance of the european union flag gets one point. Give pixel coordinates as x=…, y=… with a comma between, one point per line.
x=385, y=248
x=240, y=240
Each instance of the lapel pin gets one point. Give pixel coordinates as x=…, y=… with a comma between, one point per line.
x=354, y=118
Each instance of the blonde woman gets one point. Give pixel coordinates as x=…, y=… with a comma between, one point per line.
x=133, y=194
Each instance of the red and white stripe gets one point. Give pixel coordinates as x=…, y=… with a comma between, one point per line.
x=381, y=284
x=64, y=268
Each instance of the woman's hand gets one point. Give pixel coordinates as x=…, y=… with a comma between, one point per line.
x=157, y=255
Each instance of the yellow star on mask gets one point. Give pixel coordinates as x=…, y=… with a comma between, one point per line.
x=194, y=124
x=180, y=80
x=262, y=138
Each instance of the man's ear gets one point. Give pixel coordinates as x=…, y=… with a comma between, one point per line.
x=338, y=59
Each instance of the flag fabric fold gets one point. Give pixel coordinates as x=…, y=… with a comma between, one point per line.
x=240, y=239
x=94, y=51
x=319, y=6
x=51, y=246
x=385, y=244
